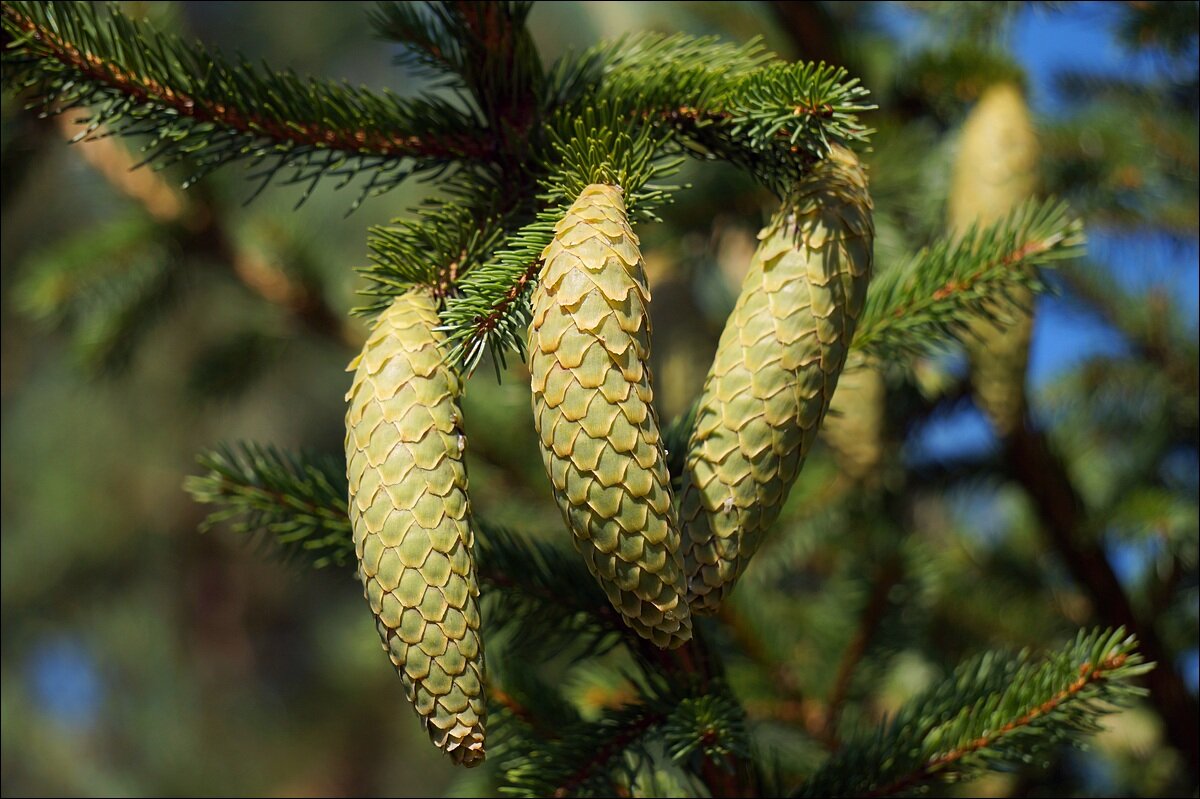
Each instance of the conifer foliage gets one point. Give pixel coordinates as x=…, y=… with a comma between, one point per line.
x=528, y=251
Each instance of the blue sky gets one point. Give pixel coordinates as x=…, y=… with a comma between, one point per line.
x=1065, y=336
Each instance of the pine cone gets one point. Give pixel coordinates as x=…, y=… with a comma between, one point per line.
x=995, y=171
x=412, y=521
x=774, y=373
x=854, y=427
x=593, y=407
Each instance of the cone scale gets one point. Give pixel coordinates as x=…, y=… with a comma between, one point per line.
x=412, y=522
x=774, y=373
x=589, y=341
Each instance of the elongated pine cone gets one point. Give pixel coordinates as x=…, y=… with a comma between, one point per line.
x=854, y=427
x=995, y=171
x=412, y=521
x=774, y=373
x=593, y=408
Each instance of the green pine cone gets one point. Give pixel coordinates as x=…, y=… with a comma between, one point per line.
x=412, y=521
x=995, y=171
x=593, y=407
x=774, y=373
x=854, y=427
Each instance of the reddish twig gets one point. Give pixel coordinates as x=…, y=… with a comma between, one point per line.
x=510, y=703
x=488, y=322
x=1042, y=474
x=144, y=89
x=202, y=232
x=1088, y=675
x=953, y=287
x=794, y=708
x=872, y=615
x=606, y=751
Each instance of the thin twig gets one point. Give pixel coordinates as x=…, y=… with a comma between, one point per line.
x=307, y=134
x=793, y=707
x=887, y=577
x=510, y=703
x=487, y=322
x=204, y=232
x=1088, y=675
x=606, y=751
x=1026, y=250
x=1151, y=343
x=1038, y=469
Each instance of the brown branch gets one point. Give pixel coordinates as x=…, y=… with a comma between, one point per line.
x=1088, y=675
x=728, y=776
x=1152, y=342
x=510, y=703
x=116, y=166
x=144, y=89
x=885, y=579
x=1038, y=469
x=606, y=751
x=447, y=276
x=953, y=287
x=793, y=707
x=204, y=233
x=487, y=323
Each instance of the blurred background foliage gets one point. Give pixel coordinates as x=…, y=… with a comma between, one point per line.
x=142, y=324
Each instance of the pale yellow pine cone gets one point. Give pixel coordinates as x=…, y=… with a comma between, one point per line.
x=853, y=429
x=774, y=373
x=412, y=521
x=994, y=172
x=589, y=342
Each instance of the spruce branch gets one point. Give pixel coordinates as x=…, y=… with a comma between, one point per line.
x=542, y=602
x=543, y=598
x=996, y=710
x=300, y=501
x=887, y=576
x=919, y=307
x=734, y=103
x=777, y=121
x=202, y=231
x=702, y=733
x=425, y=32
x=491, y=312
x=436, y=248
x=583, y=759
x=195, y=104
x=1037, y=467
x=652, y=70
x=482, y=47
x=541, y=595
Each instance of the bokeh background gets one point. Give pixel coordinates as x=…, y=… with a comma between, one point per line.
x=140, y=657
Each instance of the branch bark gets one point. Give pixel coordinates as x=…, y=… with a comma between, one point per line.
x=886, y=578
x=1034, y=465
x=1088, y=674
x=144, y=89
x=204, y=233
